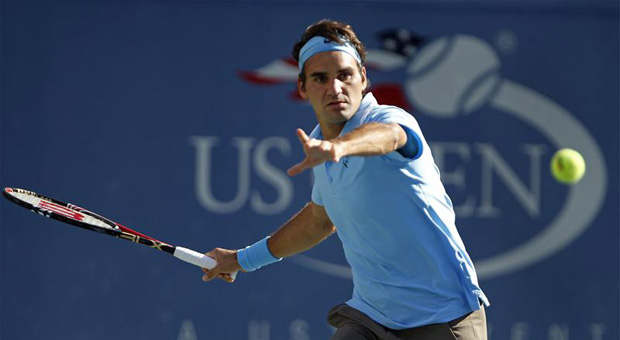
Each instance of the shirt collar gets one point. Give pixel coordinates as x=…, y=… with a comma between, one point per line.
x=367, y=103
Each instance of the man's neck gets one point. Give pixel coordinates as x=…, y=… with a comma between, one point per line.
x=331, y=131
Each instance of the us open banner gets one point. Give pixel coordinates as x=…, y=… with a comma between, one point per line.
x=179, y=118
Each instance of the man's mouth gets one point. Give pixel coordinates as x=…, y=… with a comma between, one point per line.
x=337, y=103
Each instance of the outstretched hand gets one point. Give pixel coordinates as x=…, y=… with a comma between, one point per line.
x=317, y=152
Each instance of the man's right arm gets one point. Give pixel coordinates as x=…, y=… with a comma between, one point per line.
x=304, y=230
x=307, y=228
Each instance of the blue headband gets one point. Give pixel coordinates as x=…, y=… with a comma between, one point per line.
x=320, y=44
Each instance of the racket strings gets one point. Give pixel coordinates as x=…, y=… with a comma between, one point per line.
x=38, y=203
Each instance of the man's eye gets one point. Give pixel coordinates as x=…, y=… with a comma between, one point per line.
x=320, y=79
x=346, y=76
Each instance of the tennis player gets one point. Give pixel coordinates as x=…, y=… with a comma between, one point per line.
x=377, y=185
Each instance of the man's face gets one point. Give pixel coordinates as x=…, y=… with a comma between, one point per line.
x=334, y=87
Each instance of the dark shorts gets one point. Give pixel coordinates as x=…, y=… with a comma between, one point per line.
x=352, y=324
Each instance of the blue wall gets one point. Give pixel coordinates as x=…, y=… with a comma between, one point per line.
x=145, y=112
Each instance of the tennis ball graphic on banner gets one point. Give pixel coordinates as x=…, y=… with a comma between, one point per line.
x=568, y=166
x=464, y=69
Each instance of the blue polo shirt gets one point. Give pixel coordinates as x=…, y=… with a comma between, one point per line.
x=397, y=227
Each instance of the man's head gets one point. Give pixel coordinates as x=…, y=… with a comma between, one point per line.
x=338, y=32
x=332, y=75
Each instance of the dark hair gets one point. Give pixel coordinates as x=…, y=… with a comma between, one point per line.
x=334, y=31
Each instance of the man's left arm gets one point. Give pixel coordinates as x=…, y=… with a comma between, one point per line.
x=372, y=139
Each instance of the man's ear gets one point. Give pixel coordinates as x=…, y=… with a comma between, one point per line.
x=301, y=88
x=364, y=79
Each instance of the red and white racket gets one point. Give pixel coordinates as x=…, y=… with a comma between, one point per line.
x=80, y=217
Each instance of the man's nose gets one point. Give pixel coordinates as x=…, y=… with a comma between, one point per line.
x=335, y=87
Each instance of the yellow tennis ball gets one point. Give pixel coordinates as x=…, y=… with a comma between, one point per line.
x=568, y=166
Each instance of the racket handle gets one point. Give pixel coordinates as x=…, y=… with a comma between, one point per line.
x=196, y=258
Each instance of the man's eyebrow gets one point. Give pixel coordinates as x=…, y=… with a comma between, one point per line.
x=318, y=73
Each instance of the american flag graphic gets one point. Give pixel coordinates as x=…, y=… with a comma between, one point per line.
x=397, y=48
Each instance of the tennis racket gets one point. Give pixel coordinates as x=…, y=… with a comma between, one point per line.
x=80, y=217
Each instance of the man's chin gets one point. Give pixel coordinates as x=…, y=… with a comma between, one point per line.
x=339, y=115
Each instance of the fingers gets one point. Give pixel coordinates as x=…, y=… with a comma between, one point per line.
x=212, y=274
x=205, y=277
x=298, y=168
x=303, y=165
x=303, y=137
x=226, y=277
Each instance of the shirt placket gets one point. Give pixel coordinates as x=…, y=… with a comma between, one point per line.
x=329, y=176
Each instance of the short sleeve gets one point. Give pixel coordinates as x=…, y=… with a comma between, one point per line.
x=393, y=115
x=316, y=195
x=413, y=147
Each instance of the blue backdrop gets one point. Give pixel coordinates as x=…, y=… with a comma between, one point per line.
x=178, y=119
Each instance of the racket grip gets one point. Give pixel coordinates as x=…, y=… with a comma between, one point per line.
x=197, y=259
